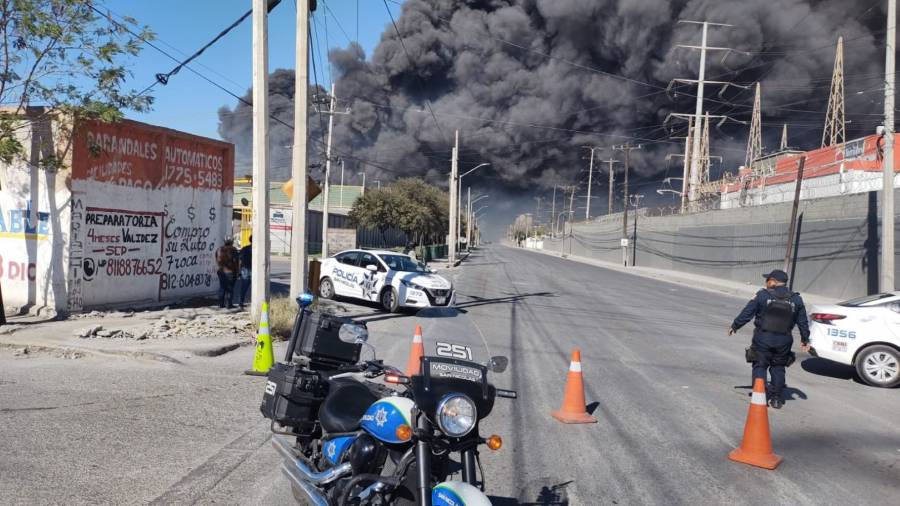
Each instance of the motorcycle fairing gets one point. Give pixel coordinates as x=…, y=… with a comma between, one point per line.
x=385, y=415
x=457, y=493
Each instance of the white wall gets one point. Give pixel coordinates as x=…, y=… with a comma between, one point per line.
x=34, y=227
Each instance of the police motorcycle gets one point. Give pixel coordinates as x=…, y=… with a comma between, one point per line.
x=348, y=439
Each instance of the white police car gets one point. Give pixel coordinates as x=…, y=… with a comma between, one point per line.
x=393, y=279
x=864, y=333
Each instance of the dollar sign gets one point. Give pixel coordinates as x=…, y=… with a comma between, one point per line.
x=190, y=213
x=212, y=214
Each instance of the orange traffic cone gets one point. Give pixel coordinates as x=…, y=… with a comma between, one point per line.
x=573, y=406
x=416, y=352
x=756, y=448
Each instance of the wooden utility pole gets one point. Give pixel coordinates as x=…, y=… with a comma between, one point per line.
x=793, y=225
x=259, y=292
x=298, y=155
x=636, y=202
x=627, y=148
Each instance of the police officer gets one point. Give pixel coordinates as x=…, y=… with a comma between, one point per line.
x=775, y=310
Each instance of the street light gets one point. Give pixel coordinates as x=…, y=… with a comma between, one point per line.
x=459, y=202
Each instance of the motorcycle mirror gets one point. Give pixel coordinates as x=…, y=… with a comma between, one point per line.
x=304, y=299
x=372, y=268
x=353, y=333
x=499, y=364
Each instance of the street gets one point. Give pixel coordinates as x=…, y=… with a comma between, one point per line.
x=669, y=387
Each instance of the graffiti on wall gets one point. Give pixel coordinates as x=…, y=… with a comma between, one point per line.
x=153, y=202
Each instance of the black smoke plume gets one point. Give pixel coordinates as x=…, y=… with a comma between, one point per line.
x=528, y=82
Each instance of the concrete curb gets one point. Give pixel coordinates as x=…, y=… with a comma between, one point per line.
x=212, y=351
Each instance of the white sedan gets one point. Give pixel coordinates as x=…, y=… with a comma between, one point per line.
x=392, y=279
x=864, y=333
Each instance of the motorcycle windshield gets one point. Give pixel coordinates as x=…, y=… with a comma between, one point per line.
x=450, y=336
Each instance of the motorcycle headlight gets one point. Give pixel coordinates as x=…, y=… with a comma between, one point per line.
x=456, y=415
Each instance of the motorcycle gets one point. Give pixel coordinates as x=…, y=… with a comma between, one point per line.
x=357, y=441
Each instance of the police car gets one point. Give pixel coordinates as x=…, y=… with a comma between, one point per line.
x=864, y=333
x=392, y=279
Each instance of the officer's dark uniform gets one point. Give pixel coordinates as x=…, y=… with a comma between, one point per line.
x=773, y=350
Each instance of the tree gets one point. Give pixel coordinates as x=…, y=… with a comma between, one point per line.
x=67, y=56
x=417, y=208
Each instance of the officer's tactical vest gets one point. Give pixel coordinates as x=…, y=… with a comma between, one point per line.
x=778, y=317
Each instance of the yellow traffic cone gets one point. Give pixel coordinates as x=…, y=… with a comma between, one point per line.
x=264, y=357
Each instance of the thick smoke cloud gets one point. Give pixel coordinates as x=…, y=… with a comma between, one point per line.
x=526, y=83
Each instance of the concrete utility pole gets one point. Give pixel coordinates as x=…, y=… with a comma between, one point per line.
x=553, y=215
x=698, y=111
x=572, y=189
x=363, y=192
x=298, y=155
x=341, y=203
x=587, y=211
x=612, y=181
x=537, y=214
x=468, y=217
x=887, y=191
x=327, y=176
x=259, y=290
x=452, y=233
x=626, y=148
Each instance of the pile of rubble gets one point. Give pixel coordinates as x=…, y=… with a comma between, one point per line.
x=183, y=323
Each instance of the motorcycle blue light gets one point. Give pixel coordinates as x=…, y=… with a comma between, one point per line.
x=305, y=299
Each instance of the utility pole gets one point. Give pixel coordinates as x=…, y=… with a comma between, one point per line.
x=793, y=225
x=887, y=191
x=572, y=190
x=612, y=181
x=626, y=148
x=537, y=214
x=298, y=154
x=553, y=214
x=587, y=211
x=468, y=217
x=259, y=290
x=636, y=202
x=698, y=111
x=364, y=182
x=341, y=203
x=327, y=183
x=453, y=235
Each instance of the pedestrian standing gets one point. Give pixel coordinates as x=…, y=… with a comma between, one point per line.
x=227, y=260
x=246, y=259
x=775, y=310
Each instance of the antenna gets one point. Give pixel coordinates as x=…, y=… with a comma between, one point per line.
x=834, y=119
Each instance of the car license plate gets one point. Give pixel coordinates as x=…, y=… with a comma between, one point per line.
x=440, y=300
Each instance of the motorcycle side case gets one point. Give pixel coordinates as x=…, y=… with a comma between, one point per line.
x=457, y=493
x=292, y=396
x=385, y=415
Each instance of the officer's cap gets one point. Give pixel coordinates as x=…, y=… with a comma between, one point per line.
x=778, y=275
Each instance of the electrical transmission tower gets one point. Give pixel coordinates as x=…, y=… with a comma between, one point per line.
x=754, y=143
x=694, y=178
x=834, y=119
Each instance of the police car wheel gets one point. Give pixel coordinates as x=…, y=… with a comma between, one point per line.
x=879, y=366
x=390, y=301
x=326, y=289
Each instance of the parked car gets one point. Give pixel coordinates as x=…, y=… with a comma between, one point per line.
x=392, y=279
x=864, y=333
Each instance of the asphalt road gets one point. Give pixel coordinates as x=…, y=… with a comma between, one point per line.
x=669, y=388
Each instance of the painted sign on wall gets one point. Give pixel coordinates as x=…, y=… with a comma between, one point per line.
x=150, y=206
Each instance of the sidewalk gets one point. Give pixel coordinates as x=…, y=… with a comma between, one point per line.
x=164, y=335
x=698, y=281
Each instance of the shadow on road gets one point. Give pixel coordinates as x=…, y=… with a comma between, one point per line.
x=788, y=394
x=822, y=367
x=552, y=495
x=474, y=301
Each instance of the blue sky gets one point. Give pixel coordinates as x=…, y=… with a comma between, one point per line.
x=188, y=102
